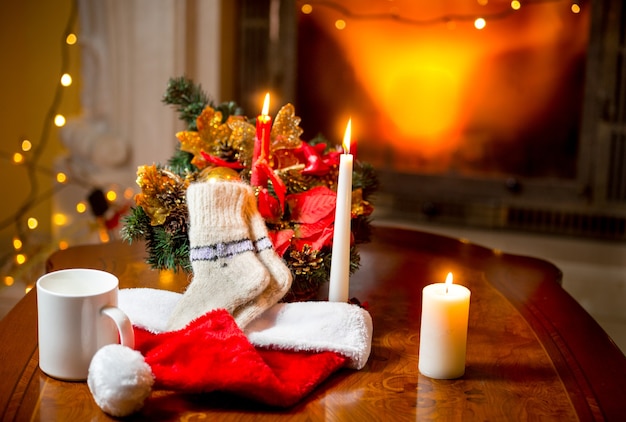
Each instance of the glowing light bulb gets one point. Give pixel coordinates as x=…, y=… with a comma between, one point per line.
x=59, y=219
x=20, y=258
x=32, y=223
x=26, y=145
x=306, y=9
x=17, y=243
x=166, y=277
x=66, y=79
x=8, y=281
x=81, y=207
x=18, y=158
x=340, y=24
x=128, y=193
x=63, y=245
x=71, y=39
x=104, y=236
x=480, y=23
x=575, y=8
x=61, y=177
x=515, y=5
x=28, y=289
x=59, y=120
x=111, y=195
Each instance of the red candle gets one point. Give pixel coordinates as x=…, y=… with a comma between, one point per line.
x=263, y=129
x=261, y=153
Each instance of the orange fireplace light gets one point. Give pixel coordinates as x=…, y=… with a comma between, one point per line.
x=440, y=87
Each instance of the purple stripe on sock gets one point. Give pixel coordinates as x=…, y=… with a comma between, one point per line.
x=263, y=243
x=220, y=250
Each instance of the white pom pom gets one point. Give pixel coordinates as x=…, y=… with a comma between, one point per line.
x=119, y=379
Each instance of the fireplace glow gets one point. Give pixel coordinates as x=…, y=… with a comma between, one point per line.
x=434, y=94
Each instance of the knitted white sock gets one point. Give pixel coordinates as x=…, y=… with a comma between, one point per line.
x=226, y=270
x=280, y=275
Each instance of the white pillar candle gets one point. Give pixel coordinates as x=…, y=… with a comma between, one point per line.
x=443, y=333
x=339, y=285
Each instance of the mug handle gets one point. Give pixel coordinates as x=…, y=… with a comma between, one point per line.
x=124, y=326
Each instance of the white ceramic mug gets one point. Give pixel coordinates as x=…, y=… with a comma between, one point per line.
x=77, y=315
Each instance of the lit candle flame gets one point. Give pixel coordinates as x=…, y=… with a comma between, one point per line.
x=266, y=105
x=448, y=281
x=346, y=137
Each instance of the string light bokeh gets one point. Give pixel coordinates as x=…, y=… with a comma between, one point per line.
x=29, y=236
x=393, y=10
x=29, y=224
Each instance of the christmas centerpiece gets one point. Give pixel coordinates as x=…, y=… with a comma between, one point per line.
x=294, y=182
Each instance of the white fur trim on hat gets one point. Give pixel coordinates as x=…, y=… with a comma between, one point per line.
x=300, y=326
x=315, y=326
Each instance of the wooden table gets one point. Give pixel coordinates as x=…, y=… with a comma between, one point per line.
x=533, y=353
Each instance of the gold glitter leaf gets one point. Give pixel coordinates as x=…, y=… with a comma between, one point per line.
x=211, y=136
x=242, y=138
x=162, y=192
x=285, y=129
x=208, y=120
x=190, y=142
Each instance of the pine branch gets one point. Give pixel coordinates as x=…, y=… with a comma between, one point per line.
x=189, y=98
x=180, y=162
x=168, y=250
x=136, y=225
x=366, y=178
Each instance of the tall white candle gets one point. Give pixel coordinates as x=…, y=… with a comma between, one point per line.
x=443, y=334
x=340, y=261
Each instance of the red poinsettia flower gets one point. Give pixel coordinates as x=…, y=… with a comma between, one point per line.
x=281, y=239
x=269, y=207
x=312, y=216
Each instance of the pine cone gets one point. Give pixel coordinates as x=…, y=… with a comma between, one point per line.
x=227, y=152
x=306, y=262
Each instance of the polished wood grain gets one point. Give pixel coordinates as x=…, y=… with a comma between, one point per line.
x=533, y=353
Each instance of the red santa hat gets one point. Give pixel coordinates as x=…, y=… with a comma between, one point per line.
x=279, y=358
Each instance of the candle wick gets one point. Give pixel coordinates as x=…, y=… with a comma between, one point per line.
x=446, y=289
